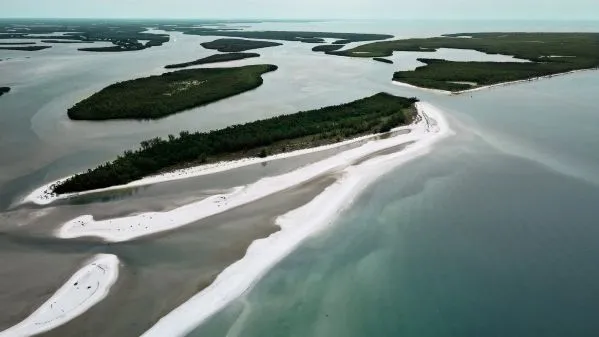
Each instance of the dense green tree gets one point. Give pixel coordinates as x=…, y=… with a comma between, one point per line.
x=378, y=113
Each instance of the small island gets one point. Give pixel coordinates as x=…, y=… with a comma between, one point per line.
x=382, y=59
x=4, y=90
x=65, y=41
x=162, y=95
x=16, y=43
x=375, y=114
x=238, y=45
x=26, y=48
x=327, y=47
x=216, y=58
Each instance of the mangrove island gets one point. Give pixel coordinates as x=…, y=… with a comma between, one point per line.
x=238, y=45
x=216, y=58
x=26, y=48
x=375, y=114
x=162, y=95
x=383, y=60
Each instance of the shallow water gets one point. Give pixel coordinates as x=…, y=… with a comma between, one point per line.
x=494, y=234
x=491, y=234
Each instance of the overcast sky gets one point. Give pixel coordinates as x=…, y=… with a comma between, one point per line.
x=309, y=9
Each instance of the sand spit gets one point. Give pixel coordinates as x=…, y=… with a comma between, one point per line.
x=88, y=286
x=43, y=195
x=503, y=84
x=296, y=226
x=130, y=227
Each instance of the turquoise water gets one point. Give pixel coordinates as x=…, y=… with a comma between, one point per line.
x=493, y=234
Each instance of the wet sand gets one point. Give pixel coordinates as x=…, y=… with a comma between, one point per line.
x=384, y=152
x=29, y=277
x=176, y=189
x=159, y=272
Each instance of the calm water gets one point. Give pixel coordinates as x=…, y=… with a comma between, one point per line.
x=493, y=234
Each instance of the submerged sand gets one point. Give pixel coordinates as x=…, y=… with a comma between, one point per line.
x=158, y=273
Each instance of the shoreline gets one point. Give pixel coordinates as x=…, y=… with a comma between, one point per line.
x=43, y=196
x=263, y=254
x=87, y=287
x=502, y=84
x=130, y=227
x=407, y=85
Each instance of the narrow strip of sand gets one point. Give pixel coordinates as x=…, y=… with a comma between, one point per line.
x=296, y=226
x=130, y=227
x=486, y=87
x=84, y=289
x=43, y=195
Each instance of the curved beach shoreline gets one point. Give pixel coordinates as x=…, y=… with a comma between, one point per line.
x=88, y=286
x=263, y=254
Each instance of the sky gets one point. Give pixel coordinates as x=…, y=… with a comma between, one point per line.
x=305, y=9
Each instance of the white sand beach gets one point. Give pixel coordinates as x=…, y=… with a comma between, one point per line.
x=43, y=195
x=130, y=227
x=88, y=286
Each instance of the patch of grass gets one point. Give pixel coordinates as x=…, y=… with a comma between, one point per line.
x=216, y=58
x=159, y=96
x=374, y=114
x=237, y=45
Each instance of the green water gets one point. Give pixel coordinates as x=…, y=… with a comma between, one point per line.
x=493, y=234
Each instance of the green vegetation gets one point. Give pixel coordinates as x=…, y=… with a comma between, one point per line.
x=4, y=90
x=119, y=45
x=26, y=48
x=457, y=76
x=64, y=41
x=378, y=113
x=124, y=35
x=328, y=47
x=381, y=59
x=16, y=43
x=214, y=59
x=548, y=53
x=159, y=96
x=307, y=37
x=237, y=45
